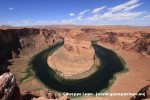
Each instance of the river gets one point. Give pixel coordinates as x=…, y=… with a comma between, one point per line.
x=102, y=79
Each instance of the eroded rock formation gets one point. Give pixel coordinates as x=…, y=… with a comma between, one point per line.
x=7, y=86
x=78, y=42
x=75, y=57
x=10, y=91
x=142, y=45
x=12, y=41
x=109, y=37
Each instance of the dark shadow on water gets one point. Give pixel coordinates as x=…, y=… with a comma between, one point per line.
x=111, y=64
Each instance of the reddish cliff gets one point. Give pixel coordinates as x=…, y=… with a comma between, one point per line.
x=12, y=42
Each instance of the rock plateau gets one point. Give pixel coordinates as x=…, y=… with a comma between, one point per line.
x=75, y=57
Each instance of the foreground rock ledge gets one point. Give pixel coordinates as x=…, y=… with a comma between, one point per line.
x=75, y=57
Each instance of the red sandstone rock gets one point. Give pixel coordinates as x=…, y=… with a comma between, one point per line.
x=12, y=41
x=76, y=57
x=78, y=42
x=132, y=39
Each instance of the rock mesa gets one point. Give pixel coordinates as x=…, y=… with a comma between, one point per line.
x=75, y=57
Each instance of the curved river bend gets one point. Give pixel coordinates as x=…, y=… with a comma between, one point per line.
x=111, y=64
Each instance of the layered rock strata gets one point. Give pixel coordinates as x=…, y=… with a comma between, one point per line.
x=13, y=41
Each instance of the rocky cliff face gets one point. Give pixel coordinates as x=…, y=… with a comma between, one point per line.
x=142, y=44
x=109, y=37
x=10, y=91
x=8, y=87
x=12, y=42
x=127, y=38
x=78, y=42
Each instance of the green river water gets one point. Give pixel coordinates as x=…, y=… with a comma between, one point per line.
x=102, y=79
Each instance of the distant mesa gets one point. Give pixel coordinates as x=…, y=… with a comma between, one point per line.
x=75, y=57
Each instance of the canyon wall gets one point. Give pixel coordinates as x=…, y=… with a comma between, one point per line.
x=14, y=40
x=12, y=43
x=78, y=42
x=127, y=38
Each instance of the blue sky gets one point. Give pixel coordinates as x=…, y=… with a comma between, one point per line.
x=83, y=12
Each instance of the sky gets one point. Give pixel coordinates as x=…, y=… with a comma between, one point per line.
x=80, y=12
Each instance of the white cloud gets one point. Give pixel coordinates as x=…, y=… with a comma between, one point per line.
x=45, y=22
x=96, y=10
x=132, y=7
x=11, y=8
x=26, y=21
x=147, y=16
x=123, y=6
x=78, y=18
x=131, y=2
x=120, y=14
x=69, y=21
x=71, y=14
x=94, y=17
x=81, y=14
x=116, y=16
